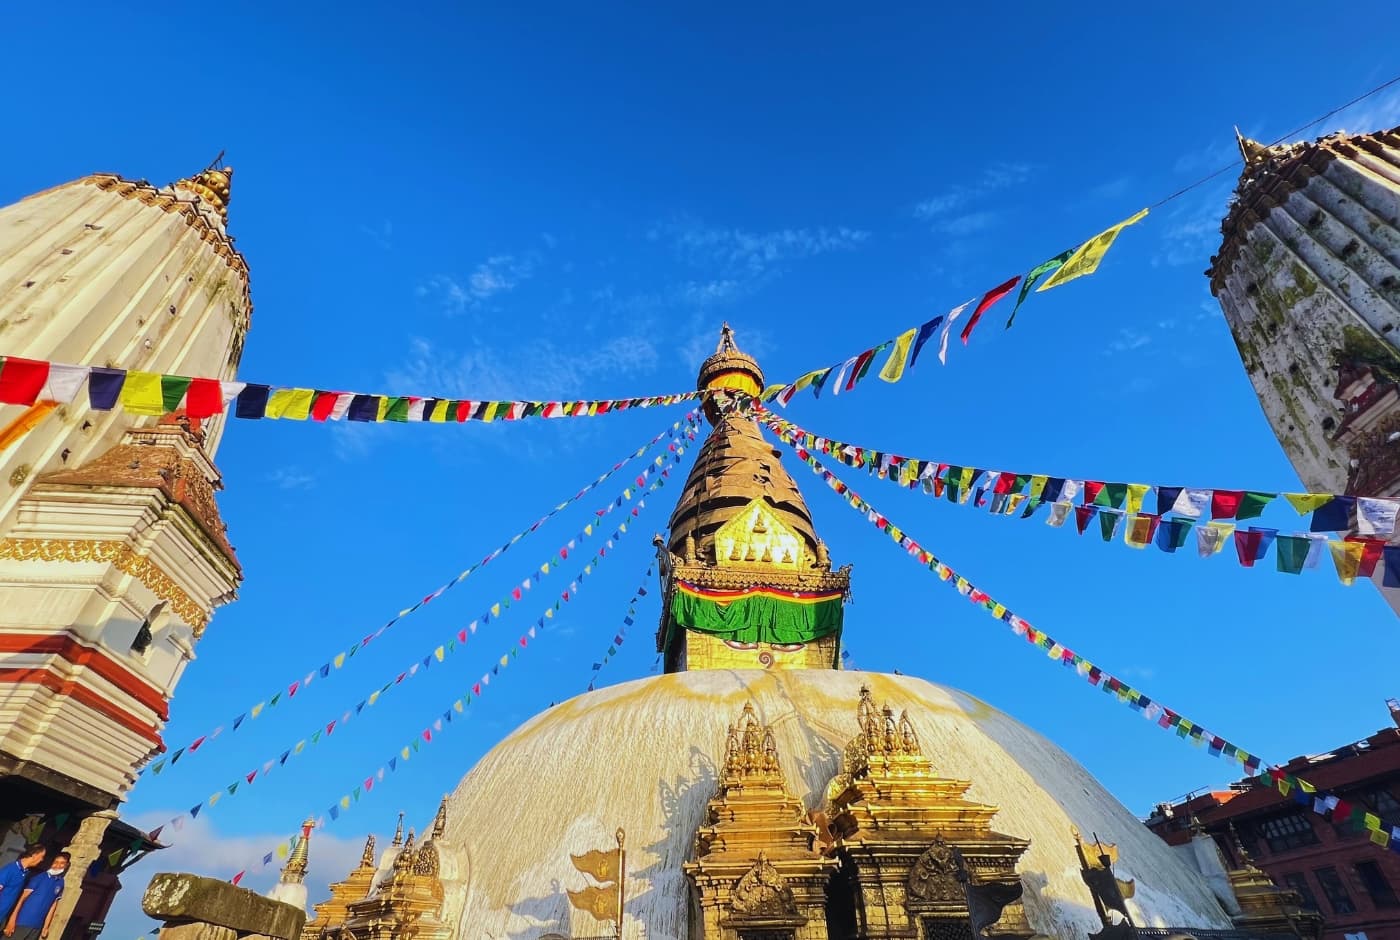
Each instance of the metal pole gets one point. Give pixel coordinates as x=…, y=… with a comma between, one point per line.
x=621, y=877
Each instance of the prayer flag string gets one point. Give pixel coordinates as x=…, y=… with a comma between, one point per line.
x=29, y=381
x=1304, y=793
x=628, y=621
x=1213, y=514
x=439, y=724
x=335, y=663
x=905, y=348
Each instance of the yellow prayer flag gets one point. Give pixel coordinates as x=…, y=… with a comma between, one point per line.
x=1087, y=256
x=1305, y=503
x=588, y=529
x=1305, y=786
x=293, y=404
x=373, y=697
x=457, y=705
x=998, y=610
x=495, y=610
x=600, y=902
x=339, y=660
x=257, y=709
x=893, y=370
x=301, y=746
x=1373, y=822
x=1014, y=503
x=1038, y=486
x=383, y=408
x=404, y=753
x=1380, y=837
x=549, y=613
x=439, y=653
x=1225, y=529
x=505, y=660
x=141, y=394
x=1347, y=557
x=602, y=866
x=345, y=800
x=1139, y=531
x=1136, y=491
x=439, y=412
x=283, y=849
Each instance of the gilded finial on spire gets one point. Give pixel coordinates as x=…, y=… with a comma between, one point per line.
x=398, y=832
x=726, y=340
x=440, y=821
x=212, y=186
x=367, y=856
x=1251, y=151
x=294, y=872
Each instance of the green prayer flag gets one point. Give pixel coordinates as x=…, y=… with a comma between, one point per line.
x=1252, y=505
x=1116, y=493
x=1108, y=524
x=398, y=410
x=1034, y=275
x=1291, y=551
x=172, y=390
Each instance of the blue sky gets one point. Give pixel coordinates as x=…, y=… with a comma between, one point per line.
x=567, y=202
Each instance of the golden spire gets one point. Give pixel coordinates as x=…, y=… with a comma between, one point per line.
x=1251, y=151
x=367, y=857
x=440, y=822
x=294, y=872
x=212, y=187
x=398, y=833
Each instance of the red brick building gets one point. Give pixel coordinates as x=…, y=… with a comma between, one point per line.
x=1352, y=882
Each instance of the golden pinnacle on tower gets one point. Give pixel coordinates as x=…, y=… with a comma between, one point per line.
x=212, y=186
x=294, y=872
x=398, y=832
x=367, y=856
x=1251, y=151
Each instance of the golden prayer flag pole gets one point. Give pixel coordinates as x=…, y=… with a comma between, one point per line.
x=621, y=876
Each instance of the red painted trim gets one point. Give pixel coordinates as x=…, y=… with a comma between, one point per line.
x=99, y=661
x=83, y=695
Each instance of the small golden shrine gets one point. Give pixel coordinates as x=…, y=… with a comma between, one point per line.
x=407, y=903
x=328, y=917
x=918, y=858
x=754, y=869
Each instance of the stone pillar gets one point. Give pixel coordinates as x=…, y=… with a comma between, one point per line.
x=84, y=849
x=195, y=908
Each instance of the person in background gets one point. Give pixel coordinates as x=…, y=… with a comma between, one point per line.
x=12, y=879
x=37, y=902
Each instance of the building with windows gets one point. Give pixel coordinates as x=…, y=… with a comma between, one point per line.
x=1333, y=866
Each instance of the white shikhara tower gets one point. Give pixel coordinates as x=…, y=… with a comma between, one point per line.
x=1308, y=276
x=112, y=553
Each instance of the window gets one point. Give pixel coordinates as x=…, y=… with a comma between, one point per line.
x=1336, y=892
x=145, y=634
x=1385, y=802
x=1297, y=881
x=1373, y=879
x=1289, y=831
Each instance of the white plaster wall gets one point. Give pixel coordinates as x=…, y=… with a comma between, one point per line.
x=645, y=755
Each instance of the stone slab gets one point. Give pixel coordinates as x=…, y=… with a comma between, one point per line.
x=180, y=898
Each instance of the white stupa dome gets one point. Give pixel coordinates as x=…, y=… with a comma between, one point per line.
x=645, y=756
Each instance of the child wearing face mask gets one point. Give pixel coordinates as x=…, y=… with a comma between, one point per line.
x=37, y=902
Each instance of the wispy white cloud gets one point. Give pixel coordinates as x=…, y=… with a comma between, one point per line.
x=381, y=234
x=290, y=478
x=496, y=275
x=1127, y=340
x=738, y=253
x=959, y=211
x=1381, y=112
x=200, y=848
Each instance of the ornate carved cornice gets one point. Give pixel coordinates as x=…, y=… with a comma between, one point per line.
x=738, y=577
x=120, y=556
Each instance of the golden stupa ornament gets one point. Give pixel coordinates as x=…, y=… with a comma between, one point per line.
x=213, y=187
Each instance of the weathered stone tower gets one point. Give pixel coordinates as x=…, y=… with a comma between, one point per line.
x=1308, y=276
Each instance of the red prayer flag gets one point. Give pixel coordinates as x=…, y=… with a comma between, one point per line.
x=321, y=408
x=985, y=304
x=1371, y=554
x=204, y=399
x=21, y=380
x=197, y=742
x=1225, y=503
x=862, y=361
x=1082, y=515
x=1092, y=488
x=238, y=877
